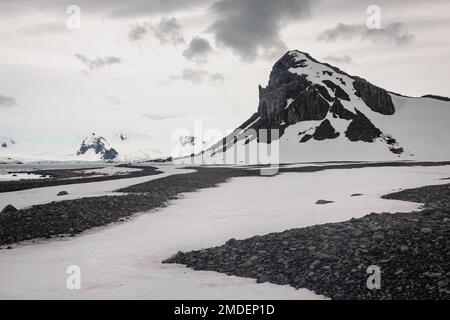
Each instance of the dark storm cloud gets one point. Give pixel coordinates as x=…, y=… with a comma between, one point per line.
x=392, y=33
x=252, y=27
x=340, y=59
x=99, y=62
x=198, y=50
x=7, y=101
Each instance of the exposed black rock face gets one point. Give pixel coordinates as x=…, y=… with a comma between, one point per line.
x=338, y=92
x=311, y=101
x=361, y=129
x=8, y=209
x=309, y=105
x=433, y=96
x=325, y=131
x=393, y=144
x=4, y=145
x=306, y=138
x=98, y=144
x=322, y=202
x=396, y=150
x=308, y=102
x=338, y=110
x=376, y=98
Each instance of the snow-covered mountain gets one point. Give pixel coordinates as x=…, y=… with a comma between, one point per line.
x=325, y=114
x=97, y=146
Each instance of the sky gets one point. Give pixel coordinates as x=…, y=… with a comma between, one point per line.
x=73, y=66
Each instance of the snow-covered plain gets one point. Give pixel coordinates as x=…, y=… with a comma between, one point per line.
x=31, y=197
x=110, y=171
x=19, y=176
x=124, y=260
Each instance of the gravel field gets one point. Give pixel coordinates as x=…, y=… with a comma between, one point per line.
x=412, y=251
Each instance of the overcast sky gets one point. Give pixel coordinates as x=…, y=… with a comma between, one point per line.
x=171, y=58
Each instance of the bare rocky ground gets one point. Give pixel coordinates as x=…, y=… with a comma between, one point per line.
x=70, y=217
x=59, y=177
x=412, y=251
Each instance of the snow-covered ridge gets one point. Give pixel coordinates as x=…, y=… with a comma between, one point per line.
x=99, y=146
x=322, y=113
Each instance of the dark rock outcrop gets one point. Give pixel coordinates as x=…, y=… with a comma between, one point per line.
x=306, y=138
x=309, y=105
x=376, y=98
x=309, y=102
x=362, y=129
x=325, y=131
x=338, y=92
x=322, y=202
x=8, y=209
x=433, y=96
x=338, y=111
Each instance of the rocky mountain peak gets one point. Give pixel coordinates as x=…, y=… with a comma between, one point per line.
x=99, y=145
x=300, y=88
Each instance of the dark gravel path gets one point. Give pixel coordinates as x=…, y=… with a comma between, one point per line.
x=411, y=249
x=74, y=216
x=71, y=217
x=59, y=177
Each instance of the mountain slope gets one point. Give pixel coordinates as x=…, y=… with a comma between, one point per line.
x=323, y=114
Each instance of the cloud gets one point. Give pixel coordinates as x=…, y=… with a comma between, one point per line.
x=138, y=31
x=392, y=34
x=7, y=102
x=340, y=59
x=99, y=62
x=198, y=50
x=199, y=76
x=168, y=31
x=252, y=28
